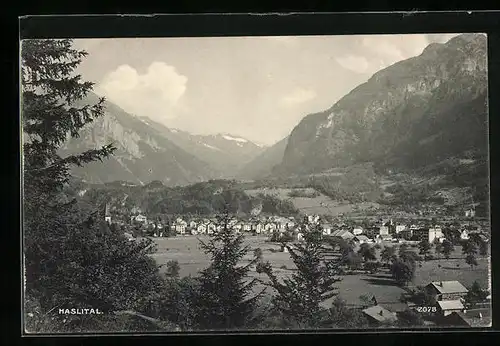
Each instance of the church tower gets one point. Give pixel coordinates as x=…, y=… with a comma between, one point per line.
x=107, y=214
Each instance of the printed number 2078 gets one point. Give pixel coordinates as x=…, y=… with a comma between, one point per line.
x=426, y=309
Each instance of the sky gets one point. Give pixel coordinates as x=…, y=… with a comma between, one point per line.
x=258, y=88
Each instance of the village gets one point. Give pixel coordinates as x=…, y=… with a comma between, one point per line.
x=451, y=306
x=378, y=231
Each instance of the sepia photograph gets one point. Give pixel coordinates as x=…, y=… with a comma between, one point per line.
x=255, y=183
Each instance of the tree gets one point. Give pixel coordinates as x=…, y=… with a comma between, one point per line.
x=424, y=247
x=483, y=248
x=410, y=318
x=471, y=260
x=387, y=253
x=258, y=254
x=448, y=248
x=403, y=248
x=353, y=260
x=367, y=252
x=179, y=302
x=173, y=268
x=469, y=248
x=224, y=299
x=476, y=294
x=340, y=316
x=438, y=249
x=72, y=258
x=299, y=297
x=402, y=271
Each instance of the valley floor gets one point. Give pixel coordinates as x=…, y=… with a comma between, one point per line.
x=191, y=259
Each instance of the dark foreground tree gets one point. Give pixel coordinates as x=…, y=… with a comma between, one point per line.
x=71, y=257
x=299, y=297
x=225, y=299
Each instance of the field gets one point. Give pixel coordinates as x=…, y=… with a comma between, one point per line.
x=321, y=205
x=191, y=259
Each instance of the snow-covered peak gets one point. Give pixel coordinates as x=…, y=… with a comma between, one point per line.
x=236, y=139
x=210, y=146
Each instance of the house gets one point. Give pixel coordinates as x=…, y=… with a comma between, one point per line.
x=461, y=319
x=464, y=235
x=446, y=290
x=400, y=228
x=314, y=219
x=246, y=227
x=377, y=314
x=383, y=230
x=201, y=228
x=300, y=236
x=435, y=233
x=361, y=239
x=290, y=225
x=192, y=224
x=269, y=227
x=258, y=227
x=446, y=307
x=327, y=229
x=180, y=226
x=139, y=218
x=211, y=227
x=357, y=231
x=344, y=234
x=128, y=236
x=237, y=227
x=470, y=213
x=281, y=224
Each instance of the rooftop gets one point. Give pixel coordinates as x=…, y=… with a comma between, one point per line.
x=379, y=313
x=451, y=305
x=449, y=287
x=362, y=237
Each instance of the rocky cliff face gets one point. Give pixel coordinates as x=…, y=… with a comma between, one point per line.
x=143, y=154
x=413, y=113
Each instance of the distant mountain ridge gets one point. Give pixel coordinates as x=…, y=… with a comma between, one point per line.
x=226, y=153
x=148, y=151
x=262, y=166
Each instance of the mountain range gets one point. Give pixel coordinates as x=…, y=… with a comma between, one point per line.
x=148, y=151
x=426, y=115
x=416, y=112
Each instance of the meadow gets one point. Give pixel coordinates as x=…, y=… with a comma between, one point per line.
x=186, y=250
x=321, y=204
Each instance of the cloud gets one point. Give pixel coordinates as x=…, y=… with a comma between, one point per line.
x=156, y=93
x=354, y=63
x=298, y=96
